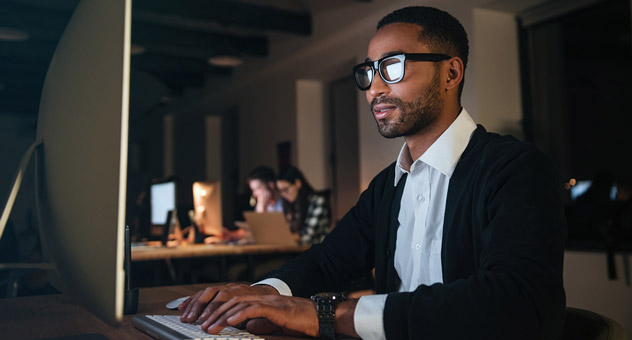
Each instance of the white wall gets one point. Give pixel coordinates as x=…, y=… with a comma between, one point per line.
x=588, y=287
x=312, y=144
x=213, y=147
x=499, y=101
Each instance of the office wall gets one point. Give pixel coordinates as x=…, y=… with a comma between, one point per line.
x=588, y=287
x=499, y=101
x=312, y=142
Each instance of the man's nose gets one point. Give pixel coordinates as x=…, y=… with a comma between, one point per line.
x=378, y=87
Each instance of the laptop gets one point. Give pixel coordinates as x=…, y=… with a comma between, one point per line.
x=269, y=228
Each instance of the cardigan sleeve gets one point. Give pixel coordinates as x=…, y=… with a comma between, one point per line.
x=346, y=254
x=502, y=254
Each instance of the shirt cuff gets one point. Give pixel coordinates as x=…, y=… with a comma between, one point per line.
x=368, y=317
x=277, y=284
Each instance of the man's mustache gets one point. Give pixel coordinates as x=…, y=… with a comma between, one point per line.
x=386, y=100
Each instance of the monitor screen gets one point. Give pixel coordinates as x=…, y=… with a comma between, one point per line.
x=582, y=186
x=163, y=200
x=207, y=202
x=81, y=167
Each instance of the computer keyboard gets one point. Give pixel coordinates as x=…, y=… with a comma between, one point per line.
x=169, y=327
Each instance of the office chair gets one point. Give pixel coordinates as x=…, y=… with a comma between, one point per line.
x=583, y=324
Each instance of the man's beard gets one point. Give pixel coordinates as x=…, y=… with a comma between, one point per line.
x=414, y=116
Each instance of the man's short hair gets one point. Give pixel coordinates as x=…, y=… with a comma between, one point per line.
x=262, y=173
x=441, y=31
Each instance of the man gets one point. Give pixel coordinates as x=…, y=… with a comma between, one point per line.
x=465, y=231
x=262, y=183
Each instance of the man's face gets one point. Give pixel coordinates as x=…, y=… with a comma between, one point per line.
x=413, y=104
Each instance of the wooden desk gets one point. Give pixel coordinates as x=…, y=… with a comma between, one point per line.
x=46, y=316
x=142, y=253
x=221, y=251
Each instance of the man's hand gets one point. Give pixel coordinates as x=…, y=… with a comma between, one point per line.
x=205, y=302
x=291, y=314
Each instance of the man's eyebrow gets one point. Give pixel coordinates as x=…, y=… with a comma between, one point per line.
x=385, y=55
x=391, y=53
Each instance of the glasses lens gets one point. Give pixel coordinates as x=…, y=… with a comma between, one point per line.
x=363, y=77
x=392, y=69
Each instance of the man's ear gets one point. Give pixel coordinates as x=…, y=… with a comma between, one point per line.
x=455, y=73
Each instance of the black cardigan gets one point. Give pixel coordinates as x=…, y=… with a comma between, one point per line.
x=502, y=250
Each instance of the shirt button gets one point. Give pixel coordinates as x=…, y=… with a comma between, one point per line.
x=421, y=198
x=418, y=246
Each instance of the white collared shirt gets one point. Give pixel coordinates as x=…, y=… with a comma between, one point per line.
x=420, y=232
x=419, y=236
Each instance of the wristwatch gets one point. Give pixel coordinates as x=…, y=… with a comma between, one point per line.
x=326, y=309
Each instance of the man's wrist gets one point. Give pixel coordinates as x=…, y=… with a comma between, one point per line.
x=343, y=323
x=281, y=287
x=265, y=289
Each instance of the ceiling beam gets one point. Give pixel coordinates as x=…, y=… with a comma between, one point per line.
x=230, y=13
x=194, y=43
x=178, y=73
x=161, y=64
x=31, y=17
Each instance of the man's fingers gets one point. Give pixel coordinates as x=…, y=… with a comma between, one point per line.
x=187, y=309
x=218, y=301
x=218, y=312
x=185, y=303
x=198, y=303
x=202, y=305
x=235, y=315
x=217, y=320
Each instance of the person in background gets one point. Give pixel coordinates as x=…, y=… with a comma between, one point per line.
x=307, y=211
x=262, y=182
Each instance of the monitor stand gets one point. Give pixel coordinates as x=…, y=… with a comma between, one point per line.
x=6, y=212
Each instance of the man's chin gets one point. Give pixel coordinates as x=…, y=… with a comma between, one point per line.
x=389, y=135
x=387, y=131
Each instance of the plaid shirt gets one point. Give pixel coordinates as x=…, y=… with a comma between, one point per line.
x=317, y=220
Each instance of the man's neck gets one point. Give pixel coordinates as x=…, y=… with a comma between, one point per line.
x=419, y=143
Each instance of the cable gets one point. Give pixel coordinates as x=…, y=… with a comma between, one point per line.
x=16, y=185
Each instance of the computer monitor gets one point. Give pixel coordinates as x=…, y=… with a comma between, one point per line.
x=582, y=186
x=162, y=195
x=207, y=202
x=81, y=161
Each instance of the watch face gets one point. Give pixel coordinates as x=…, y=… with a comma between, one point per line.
x=329, y=296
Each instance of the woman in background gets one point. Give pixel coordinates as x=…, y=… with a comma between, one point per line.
x=261, y=181
x=307, y=211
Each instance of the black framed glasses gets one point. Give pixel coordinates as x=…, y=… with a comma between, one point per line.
x=391, y=68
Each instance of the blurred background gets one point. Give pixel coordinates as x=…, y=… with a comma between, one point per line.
x=220, y=87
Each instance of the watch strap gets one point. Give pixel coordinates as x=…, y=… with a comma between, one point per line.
x=326, y=313
x=326, y=310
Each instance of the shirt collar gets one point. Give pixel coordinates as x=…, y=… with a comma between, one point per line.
x=445, y=152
